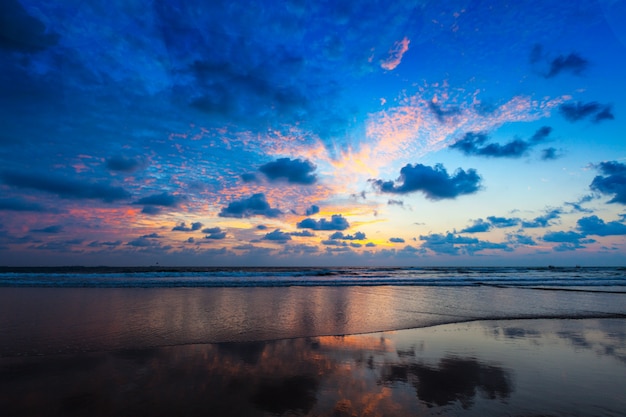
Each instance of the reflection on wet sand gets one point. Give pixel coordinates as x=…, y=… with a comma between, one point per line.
x=482, y=368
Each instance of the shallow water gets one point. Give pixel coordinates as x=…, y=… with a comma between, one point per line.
x=68, y=320
x=501, y=367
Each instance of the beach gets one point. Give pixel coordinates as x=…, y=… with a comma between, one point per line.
x=312, y=350
x=501, y=367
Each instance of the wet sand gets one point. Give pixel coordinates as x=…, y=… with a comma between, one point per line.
x=498, y=367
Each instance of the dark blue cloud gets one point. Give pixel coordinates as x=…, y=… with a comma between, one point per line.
x=337, y=222
x=396, y=240
x=57, y=228
x=255, y=205
x=333, y=242
x=151, y=210
x=542, y=221
x=521, y=239
x=549, y=154
x=152, y=236
x=434, y=182
x=215, y=233
x=64, y=187
x=341, y=236
x=563, y=237
x=567, y=241
x=579, y=111
x=479, y=226
x=613, y=182
x=473, y=143
x=22, y=32
x=123, y=164
x=312, y=210
x=441, y=114
x=18, y=204
x=107, y=244
x=593, y=225
x=249, y=177
x=577, y=205
x=501, y=222
x=163, y=200
x=304, y=233
x=182, y=227
x=572, y=63
x=296, y=171
x=451, y=244
x=277, y=236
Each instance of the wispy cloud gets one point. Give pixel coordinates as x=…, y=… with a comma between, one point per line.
x=395, y=54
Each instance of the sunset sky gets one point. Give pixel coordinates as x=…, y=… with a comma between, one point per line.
x=312, y=133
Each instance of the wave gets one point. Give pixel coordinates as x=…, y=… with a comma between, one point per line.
x=175, y=277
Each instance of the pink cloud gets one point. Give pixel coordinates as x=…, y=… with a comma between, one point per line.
x=395, y=54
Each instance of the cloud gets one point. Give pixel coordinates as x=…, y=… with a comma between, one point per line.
x=333, y=242
x=256, y=205
x=563, y=237
x=479, y=226
x=395, y=203
x=501, y=222
x=572, y=63
x=549, y=154
x=304, y=233
x=312, y=210
x=396, y=54
x=50, y=229
x=64, y=187
x=568, y=241
x=396, y=240
x=18, y=204
x=574, y=112
x=121, y=163
x=542, y=221
x=593, y=225
x=296, y=171
x=441, y=114
x=577, y=205
x=521, y=239
x=151, y=210
x=182, y=227
x=341, y=236
x=214, y=233
x=337, y=222
x=445, y=244
x=164, y=200
x=277, y=236
x=435, y=183
x=474, y=144
x=152, y=236
x=613, y=182
x=22, y=32
x=451, y=244
x=249, y=177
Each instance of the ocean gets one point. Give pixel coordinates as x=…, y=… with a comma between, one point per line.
x=312, y=341
x=588, y=278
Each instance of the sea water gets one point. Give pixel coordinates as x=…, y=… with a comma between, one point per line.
x=65, y=310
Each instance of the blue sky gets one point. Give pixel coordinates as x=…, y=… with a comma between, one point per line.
x=339, y=133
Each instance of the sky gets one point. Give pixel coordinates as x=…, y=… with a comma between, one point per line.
x=296, y=133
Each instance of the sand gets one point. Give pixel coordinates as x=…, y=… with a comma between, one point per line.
x=542, y=367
